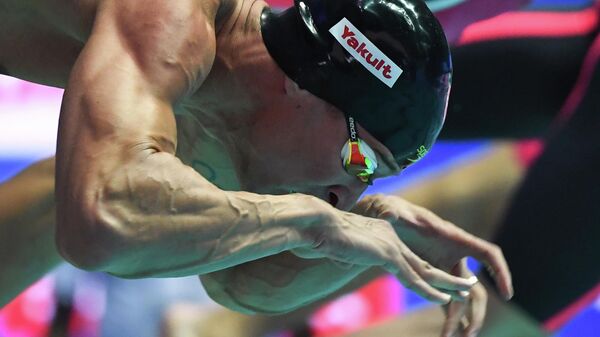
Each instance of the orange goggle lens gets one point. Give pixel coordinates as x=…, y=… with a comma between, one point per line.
x=359, y=160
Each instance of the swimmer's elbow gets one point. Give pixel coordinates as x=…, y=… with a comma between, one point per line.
x=87, y=238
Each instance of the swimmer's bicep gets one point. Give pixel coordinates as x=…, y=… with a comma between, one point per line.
x=172, y=44
x=134, y=67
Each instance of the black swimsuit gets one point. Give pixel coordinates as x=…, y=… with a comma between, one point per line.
x=516, y=87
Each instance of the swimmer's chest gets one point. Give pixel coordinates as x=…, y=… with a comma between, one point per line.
x=205, y=153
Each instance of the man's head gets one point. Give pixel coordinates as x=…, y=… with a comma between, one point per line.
x=299, y=133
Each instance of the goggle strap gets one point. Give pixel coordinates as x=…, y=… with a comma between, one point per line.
x=352, y=130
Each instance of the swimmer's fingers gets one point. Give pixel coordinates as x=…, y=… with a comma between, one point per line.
x=476, y=304
x=455, y=312
x=476, y=311
x=440, y=279
x=492, y=257
x=426, y=280
x=411, y=280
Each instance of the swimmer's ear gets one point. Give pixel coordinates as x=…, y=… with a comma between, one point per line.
x=292, y=89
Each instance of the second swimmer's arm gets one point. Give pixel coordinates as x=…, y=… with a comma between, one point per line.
x=26, y=229
x=125, y=203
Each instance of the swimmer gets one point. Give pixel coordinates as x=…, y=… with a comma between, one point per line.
x=198, y=136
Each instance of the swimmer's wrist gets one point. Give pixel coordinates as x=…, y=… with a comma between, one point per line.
x=317, y=215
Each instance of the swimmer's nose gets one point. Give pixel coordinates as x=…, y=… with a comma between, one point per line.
x=345, y=197
x=333, y=199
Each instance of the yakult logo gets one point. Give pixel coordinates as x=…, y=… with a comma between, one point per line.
x=365, y=52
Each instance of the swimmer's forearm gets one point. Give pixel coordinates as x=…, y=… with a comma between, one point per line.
x=159, y=217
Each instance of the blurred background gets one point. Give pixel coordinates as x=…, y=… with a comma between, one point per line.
x=70, y=302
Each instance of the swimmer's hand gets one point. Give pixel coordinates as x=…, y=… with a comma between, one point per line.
x=357, y=240
x=438, y=241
